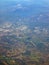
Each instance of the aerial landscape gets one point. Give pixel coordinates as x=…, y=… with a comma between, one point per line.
x=24, y=32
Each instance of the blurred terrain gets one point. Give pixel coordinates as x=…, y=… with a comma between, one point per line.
x=24, y=32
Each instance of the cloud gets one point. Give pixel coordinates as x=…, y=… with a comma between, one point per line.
x=23, y=28
x=14, y=7
x=45, y=31
x=19, y=6
x=37, y=30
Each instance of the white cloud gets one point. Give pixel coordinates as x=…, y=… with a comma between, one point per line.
x=45, y=31
x=14, y=7
x=23, y=27
x=37, y=30
x=19, y=6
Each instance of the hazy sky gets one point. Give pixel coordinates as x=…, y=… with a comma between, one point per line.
x=46, y=2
